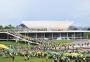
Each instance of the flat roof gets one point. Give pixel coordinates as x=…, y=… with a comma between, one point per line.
x=52, y=31
x=49, y=24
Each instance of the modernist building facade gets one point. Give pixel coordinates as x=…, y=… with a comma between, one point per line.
x=48, y=29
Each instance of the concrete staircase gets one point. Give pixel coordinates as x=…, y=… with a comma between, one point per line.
x=21, y=37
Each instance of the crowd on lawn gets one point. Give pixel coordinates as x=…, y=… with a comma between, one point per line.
x=51, y=50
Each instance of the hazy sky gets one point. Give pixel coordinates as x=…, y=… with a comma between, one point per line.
x=15, y=11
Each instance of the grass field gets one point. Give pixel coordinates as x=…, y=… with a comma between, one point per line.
x=21, y=59
x=10, y=42
x=61, y=41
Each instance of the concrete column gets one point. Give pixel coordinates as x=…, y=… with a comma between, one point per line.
x=44, y=35
x=82, y=35
x=52, y=35
x=60, y=35
x=67, y=35
x=36, y=35
x=74, y=36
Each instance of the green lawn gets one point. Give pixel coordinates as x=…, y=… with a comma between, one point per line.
x=61, y=41
x=22, y=43
x=12, y=42
x=21, y=59
x=87, y=34
x=9, y=42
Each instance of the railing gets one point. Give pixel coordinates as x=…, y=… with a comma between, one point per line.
x=22, y=30
x=14, y=32
x=30, y=30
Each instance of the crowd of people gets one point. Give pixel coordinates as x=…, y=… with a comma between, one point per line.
x=46, y=49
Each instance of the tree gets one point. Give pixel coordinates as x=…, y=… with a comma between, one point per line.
x=73, y=28
x=9, y=27
x=88, y=28
x=1, y=27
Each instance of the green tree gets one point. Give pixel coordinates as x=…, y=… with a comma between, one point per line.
x=73, y=28
x=1, y=27
x=9, y=27
x=88, y=28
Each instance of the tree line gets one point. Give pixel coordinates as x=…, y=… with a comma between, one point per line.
x=7, y=27
x=78, y=28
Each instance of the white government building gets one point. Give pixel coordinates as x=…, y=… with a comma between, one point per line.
x=51, y=29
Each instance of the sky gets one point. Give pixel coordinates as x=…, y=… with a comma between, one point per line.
x=15, y=11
